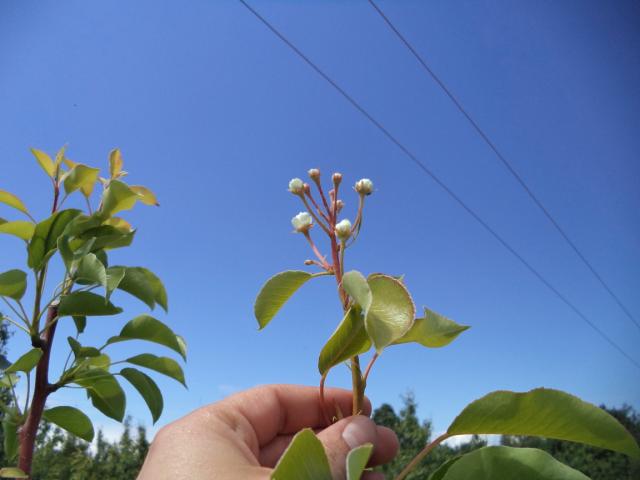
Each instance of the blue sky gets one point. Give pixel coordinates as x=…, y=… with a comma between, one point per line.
x=214, y=114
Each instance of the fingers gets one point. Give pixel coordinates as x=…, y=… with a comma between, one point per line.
x=342, y=437
x=274, y=410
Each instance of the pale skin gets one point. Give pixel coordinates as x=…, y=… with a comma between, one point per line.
x=243, y=436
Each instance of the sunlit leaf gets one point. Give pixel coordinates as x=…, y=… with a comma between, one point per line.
x=109, y=237
x=146, y=196
x=91, y=271
x=357, y=288
x=13, y=201
x=82, y=352
x=26, y=362
x=116, y=198
x=144, y=285
x=45, y=162
x=357, y=460
x=115, y=163
x=304, y=459
x=433, y=330
x=72, y=420
x=105, y=393
x=12, y=472
x=147, y=389
x=114, y=277
x=145, y=327
x=349, y=339
x=19, y=228
x=10, y=441
x=86, y=304
x=166, y=366
x=13, y=284
x=119, y=223
x=45, y=238
x=80, y=177
x=275, y=293
x=508, y=463
x=391, y=313
x=546, y=413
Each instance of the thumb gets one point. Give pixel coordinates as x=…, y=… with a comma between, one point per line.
x=342, y=437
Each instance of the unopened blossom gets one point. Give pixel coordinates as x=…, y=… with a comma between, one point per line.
x=364, y=186
x=343, y=229
x=302, y=222
x=314, y=174
x=296, y=186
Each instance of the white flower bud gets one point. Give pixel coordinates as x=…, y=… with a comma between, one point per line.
x=296, y=186
x=302, y=222
x=339, y=205
x=337, y=178
x=364, y=186
x=343, y=229
x=314, y=173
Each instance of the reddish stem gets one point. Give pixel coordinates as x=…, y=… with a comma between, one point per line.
x=41, y=392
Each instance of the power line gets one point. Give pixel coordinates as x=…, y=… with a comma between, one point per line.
x=436, y=179
x=504, y=161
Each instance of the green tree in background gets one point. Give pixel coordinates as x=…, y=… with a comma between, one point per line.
x=596, y=463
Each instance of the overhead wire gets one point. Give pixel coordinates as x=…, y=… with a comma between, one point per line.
x=438, y=181
x=508, y=165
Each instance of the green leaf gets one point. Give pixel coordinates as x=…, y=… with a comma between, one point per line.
x=144, y=285
x=9, y=380
x=349, y=339
x=72, y=420
x=10, y=431
x=82, y=352
x=114, y=277
x=443, y=469
x=108, y=237
x=391, y=313
x=433, y=331
x=85, y=304
x=166, y=366
x=80, y=322
x=45, y=162
x=546, y=413
x=105, y=393
x=275, y=293
x=80, y=177
x=91, y=271
x=357, y=288
x=12, y=472
x=304, y=459
x=508, y=463
x=116, y=198
x=13, y=284
x=357, y=460
x=115, y=163
x=145, y=327
x=45, y=238
x=13, y=201
x=26, y=362
x=146, y=196
x=20, y=228
x=147, y=389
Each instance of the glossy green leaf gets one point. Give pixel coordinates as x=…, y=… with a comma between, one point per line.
x=105, y=393
x=147, y=389
x=349, y=339
x=12, y=472
x=90, y=270
x=275, y=293
x=108, y=237
x=45, y=238
x=26, y=362
x=166, y=366
x=44, y=160
x=82, y=352
x=10, y=441
x=13, y=201
x=80, y=177
x=546, y=413
x=357, y=460
x=86, y=304
x=13, y=284
x=19, y=228
x=433, y=330
x=116, y=198
x=357, y=288
x=443, y=469
x=508, y=463
x=72, y=420
x=145, y=327
x=80, y=322
x=144, y=285
x=114, y=277
x=145, y=195
x=391, y=313
x=304, y=459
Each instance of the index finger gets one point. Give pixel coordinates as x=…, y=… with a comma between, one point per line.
x=273, y=410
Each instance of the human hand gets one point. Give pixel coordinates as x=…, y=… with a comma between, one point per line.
x=243, y=436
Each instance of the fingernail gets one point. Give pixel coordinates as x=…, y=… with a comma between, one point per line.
x=360, y=430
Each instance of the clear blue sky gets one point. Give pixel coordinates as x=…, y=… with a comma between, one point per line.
x=216, y=115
